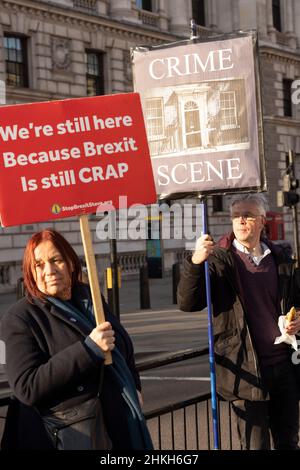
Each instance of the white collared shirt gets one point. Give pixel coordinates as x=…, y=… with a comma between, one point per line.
x=256, y=259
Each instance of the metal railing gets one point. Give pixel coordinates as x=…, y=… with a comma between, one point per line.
x=149, y=18
x=88, y=6
x=203, y=32
x=187, y=425
x=4, y=277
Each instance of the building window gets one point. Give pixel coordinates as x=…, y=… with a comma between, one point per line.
x=95, y=73
x=228, y=110
x=144, y=4
x=287, y=98
x=276, y=14
x=198, y=12
x=217, y=202
x=155, y=118
x=16, y=61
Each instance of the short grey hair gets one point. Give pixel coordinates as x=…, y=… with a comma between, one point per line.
x=255, y=198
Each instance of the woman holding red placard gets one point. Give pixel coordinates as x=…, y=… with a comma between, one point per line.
x=55, y=361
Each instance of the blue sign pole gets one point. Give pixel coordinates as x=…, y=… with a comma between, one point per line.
x=214, y=403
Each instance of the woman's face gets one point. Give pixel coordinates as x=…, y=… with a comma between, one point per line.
x=51, y=272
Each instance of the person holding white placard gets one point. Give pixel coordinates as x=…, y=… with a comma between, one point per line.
x=253, y=282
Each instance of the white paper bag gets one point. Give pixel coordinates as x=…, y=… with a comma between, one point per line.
x=285, y=337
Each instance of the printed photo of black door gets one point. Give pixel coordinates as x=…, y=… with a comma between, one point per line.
x=192, y=128
x=193, y=108
x=197, y=118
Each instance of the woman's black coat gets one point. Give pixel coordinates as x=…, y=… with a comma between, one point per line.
x=49, y=366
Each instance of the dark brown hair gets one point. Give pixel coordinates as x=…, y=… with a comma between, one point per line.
x=66, y=251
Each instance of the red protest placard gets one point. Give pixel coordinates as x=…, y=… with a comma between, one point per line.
x=63, y=158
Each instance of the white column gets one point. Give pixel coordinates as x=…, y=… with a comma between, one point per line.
x=289, y=26
x=270, y=25
x=213, y=14
x=179, y=17
x=261, y=18
x=121, y=9
x=235, y=15
x=2, y=68
x=289, y=17
x=161, y=5
x=163, y=18
x=270, y=16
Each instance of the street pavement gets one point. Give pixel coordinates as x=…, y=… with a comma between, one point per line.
x=160, y=295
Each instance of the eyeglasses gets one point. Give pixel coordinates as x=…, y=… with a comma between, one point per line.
x=247, y=216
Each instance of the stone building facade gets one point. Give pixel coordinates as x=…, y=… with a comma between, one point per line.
x=69, y=48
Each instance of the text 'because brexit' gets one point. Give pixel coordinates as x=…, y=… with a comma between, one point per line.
x=89, y=149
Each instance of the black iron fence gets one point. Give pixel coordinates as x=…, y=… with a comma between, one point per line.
x=187, y=425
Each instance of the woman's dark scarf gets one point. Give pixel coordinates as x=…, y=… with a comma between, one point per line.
x=81, y=308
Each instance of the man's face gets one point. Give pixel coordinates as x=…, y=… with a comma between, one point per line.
x=247, y=223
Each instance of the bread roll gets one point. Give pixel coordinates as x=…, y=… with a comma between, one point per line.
x=291, y=315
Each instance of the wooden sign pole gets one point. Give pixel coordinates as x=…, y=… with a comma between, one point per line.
x=93, y=275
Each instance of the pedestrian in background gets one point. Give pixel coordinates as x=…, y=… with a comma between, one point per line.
x=55, y=361
x=253, y=281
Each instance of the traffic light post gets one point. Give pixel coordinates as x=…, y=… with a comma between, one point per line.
x=289, y=197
